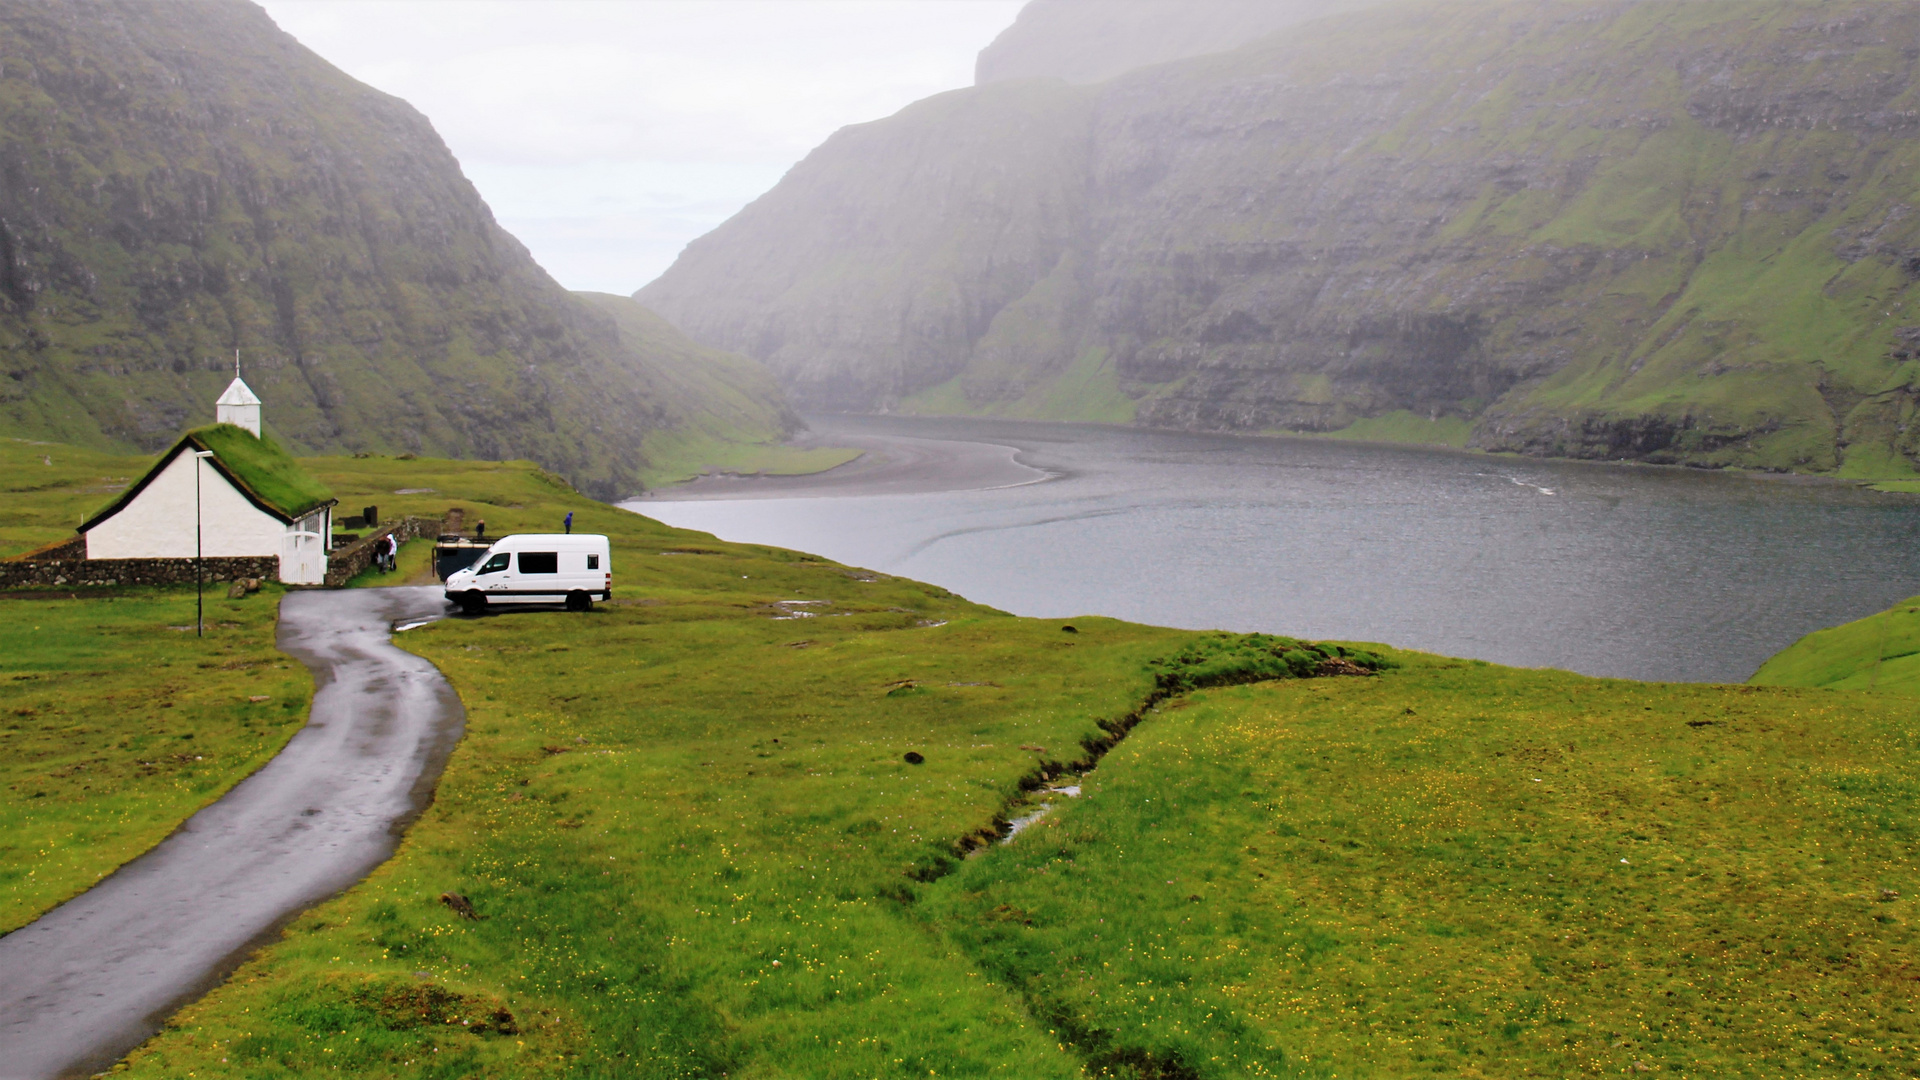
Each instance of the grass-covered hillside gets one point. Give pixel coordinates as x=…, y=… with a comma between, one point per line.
x=697, y=845
x=184, y=180
x=1880, y=653
x=732, y=416
x=1673, y=231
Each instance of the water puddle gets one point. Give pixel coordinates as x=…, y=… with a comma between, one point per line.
x=405, y=625
x=1019, y=825
x=796, y=609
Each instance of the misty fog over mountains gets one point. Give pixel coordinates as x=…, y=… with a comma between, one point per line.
x=1670, y=232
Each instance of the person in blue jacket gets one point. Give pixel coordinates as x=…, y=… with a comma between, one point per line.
x=569, y=523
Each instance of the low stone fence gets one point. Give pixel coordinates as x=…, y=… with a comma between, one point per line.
x=65, y=563
x=53, y=572
x=343, y=564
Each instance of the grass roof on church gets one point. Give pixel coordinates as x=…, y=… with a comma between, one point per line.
x=263, y=469
x=258, y=466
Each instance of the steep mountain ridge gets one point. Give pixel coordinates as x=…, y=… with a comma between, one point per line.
x=888, y=252
x=180, y=180
x=1089, y=41
x=1670, y=231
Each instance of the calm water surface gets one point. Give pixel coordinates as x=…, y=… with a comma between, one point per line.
x=1607, y=570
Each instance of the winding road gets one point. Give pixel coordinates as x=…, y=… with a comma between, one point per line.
x=93, y=978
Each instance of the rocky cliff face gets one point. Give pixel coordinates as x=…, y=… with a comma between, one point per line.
x=880, y=261
x=1664, y=231
x=1090, y=41
x=180, y=180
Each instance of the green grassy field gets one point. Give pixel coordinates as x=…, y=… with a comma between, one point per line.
x=1463, y=870
x=46, y=489
x=117, y=723
x=689, y=824
x=697, y=848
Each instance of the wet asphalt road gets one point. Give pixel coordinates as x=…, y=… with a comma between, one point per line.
x=96, y=976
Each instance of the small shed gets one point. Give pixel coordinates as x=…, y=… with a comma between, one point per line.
x=252, y=499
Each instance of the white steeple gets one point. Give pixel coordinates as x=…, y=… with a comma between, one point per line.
x=238, y=406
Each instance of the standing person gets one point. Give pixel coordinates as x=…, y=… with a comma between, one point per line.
x=569, y=523
x=393, y=553
x=480, y=530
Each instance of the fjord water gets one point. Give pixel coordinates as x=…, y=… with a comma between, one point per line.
x=1635, y=572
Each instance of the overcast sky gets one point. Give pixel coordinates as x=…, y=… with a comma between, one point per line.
x=606, y=134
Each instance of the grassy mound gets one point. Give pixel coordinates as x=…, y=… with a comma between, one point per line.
x=1459, y=869
x=1878, y=653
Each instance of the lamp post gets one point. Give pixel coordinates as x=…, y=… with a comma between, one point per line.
x=199, y=577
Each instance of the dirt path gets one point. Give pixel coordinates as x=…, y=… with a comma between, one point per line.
x=96, y=976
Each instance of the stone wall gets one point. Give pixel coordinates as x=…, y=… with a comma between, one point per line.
x=64, y=563
x=343, y=564
x=54, y=572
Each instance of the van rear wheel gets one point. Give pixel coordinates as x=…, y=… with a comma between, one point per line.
x=473, y=603
x=579, y=601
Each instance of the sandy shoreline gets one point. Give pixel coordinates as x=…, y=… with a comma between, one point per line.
x=888, y=465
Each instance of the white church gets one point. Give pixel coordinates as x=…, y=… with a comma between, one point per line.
x=222, y=491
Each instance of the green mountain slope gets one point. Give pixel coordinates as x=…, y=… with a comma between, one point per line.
x=1667, y=231
x=740, y=419
x=876, y=266
x=181, y=180
x=1880, y=653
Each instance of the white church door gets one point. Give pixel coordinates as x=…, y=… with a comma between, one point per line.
x=303, y=554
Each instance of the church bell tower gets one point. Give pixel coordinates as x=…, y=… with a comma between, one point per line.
x=238, y=406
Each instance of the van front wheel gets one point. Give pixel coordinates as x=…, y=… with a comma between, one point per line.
x=473, y=603
x=579, y=601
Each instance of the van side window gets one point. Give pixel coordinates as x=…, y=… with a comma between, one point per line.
x=496, y=564
x=593, y=562
x=539, y=562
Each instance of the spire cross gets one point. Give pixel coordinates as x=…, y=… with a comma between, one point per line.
x=236, y=363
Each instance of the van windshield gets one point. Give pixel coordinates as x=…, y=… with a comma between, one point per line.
x=496, y=564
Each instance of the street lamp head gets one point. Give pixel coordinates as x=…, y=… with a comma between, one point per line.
x=203, y=453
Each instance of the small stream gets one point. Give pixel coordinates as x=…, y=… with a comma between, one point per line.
x=1042, y=809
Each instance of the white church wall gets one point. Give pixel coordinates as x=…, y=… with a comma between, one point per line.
x=159, y=522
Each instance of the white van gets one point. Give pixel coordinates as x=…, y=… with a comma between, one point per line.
x=536, y=568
